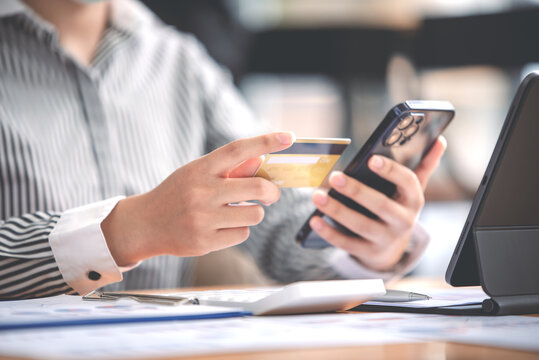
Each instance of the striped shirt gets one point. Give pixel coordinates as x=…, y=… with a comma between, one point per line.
x=73, y=138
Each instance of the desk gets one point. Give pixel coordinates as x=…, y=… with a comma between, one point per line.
x=427, y=350
x=421, y=350
x=434, y=350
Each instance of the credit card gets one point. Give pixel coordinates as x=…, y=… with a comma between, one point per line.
x=304, y=164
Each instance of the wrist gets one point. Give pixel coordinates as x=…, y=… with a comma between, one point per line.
x=121, y=231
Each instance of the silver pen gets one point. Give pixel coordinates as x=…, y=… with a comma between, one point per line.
x=145, y=298
x=401, y=296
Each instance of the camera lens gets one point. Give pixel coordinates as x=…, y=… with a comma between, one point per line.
x=406, y=122
x=394, y=137
x=411, y=130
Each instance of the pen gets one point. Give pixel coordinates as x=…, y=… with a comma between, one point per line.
x=147, y=298
x=401, y=296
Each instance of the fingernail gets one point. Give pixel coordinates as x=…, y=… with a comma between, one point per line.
x=376, y=162
x=443, y=140
x=286, y=138
x=320, y=197
x=337, y=179
x=316, y=224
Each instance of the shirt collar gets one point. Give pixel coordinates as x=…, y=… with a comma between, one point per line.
x=11, y=7
x=125, y=15
x=129, y=16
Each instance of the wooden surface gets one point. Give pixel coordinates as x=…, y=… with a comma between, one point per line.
x=426, y=350
x=417, y=351
x=431, y=350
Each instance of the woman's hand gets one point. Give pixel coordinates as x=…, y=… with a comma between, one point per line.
x=381, y=242
x=190, y=212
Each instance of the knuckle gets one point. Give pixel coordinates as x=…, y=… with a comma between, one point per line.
x=383, y=205
x=389, y=166
x=266, y=141
x=334, y=208
x=257, y=214
x=353, y=189
x=366, y=228
x=259, y=187
x=201, y=164
x=410, y=178
x=276, y=194
x=243, y=234
x=406, y=223
x=346, y=245
x=234, y=149
x=410, y=222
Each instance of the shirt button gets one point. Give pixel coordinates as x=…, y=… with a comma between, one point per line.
x=94, y=275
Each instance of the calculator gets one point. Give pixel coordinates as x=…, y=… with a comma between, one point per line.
x=296, y=298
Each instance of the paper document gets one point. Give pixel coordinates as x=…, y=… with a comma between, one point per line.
x=255, y=334
x=513, y=332
x=191, y=338
x=453, y=299
x=65, y=310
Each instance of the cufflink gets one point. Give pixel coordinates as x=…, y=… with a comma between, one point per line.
x=94, y=275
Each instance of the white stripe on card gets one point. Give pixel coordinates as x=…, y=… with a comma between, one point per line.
x=293, y=160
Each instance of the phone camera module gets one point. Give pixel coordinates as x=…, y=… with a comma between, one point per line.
x=410, y=130
x=418, y=118
x=394, y=137
x=406, y=128
x=407, y=121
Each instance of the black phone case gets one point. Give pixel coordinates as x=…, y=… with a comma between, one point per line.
x=430, y=117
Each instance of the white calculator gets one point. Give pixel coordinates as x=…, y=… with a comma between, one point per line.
x=296, y=298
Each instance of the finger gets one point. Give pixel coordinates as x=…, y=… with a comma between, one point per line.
x=238, y=215
x=353, y=245
x=387, y=209
x=224, y=238
x=248, y=189
x=227, y=157
x=247, y=168
x=409, y=190
x=430, y=162
x=369, y=254
x=367, y=228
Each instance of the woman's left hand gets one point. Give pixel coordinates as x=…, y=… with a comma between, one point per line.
x=381, y=242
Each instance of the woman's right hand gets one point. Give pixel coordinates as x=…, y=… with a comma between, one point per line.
x=190, y=212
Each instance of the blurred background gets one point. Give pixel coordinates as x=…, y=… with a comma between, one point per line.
x=334, y=68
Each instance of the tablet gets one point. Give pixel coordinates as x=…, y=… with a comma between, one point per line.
x=506, y=202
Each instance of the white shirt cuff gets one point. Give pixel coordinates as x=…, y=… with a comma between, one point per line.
x=80, y=249
x=350, y=268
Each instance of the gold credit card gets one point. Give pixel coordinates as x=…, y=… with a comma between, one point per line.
x=304, y=164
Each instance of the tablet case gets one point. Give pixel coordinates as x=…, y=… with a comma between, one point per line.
x=499, y=246
x=507, y=260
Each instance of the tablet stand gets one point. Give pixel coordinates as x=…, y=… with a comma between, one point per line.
x=508, y=265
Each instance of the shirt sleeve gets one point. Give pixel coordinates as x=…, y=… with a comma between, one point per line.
x=27, y=265
x=347, y=266
x=52, y=253
x=80, y=248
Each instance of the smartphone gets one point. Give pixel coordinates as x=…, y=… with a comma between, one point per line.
x=405, y=135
